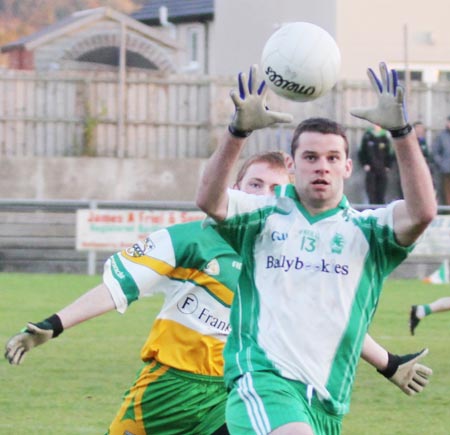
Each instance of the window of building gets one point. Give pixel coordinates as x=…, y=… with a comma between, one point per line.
x=193, y=45
x=193, y=48
x=444, y=76
x=414, y=75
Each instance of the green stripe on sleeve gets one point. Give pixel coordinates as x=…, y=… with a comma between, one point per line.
x=125, y=280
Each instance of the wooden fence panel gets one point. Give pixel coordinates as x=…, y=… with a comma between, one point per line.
x=78, y=113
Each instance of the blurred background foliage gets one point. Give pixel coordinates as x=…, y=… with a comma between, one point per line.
x=20, y=18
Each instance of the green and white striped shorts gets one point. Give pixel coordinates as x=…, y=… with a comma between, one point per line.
x=261, y=402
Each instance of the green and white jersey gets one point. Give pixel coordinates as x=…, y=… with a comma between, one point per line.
x=197, y=271
x=308, y=290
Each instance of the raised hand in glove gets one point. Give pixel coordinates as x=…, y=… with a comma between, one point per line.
x=405, y=372
x=250, y=103
x=33, y=335
x=390, y=111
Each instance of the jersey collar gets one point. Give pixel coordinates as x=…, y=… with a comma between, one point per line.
x=288, y=191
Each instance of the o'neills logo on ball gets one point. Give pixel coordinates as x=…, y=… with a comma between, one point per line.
x=280, y=82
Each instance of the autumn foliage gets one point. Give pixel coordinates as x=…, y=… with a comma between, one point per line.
x=20, y=18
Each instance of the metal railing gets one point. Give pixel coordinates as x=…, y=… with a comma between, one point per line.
x=40, y=235
x=72, y=205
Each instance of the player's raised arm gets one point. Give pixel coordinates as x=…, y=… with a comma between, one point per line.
x=251, y=113
x=419, y=207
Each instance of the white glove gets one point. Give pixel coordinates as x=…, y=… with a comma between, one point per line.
x=250, y=103
x=390, y=112
x=33, y=335
x=405, y=372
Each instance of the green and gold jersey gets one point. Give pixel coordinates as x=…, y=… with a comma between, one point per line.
x=198, y=272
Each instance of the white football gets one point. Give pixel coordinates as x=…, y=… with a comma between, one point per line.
x=301, y=61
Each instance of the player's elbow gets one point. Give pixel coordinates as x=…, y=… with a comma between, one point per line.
x=205, y=204
x=202, y=203
x=431, y=211
x=211, y=206
x=425, y=215
x=203, y=199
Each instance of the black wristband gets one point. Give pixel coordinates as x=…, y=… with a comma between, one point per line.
x=56, y=324
x=238, y=133
x=401, y=132
x=393, y=363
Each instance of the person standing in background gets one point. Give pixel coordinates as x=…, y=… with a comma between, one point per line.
x=421, y=134
x=419, y=128
x=441, y=157
x=376, y=156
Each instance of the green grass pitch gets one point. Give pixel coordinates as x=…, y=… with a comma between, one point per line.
x=74, y=384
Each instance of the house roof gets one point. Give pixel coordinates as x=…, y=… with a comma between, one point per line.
x=179, y=11
x=80, y=19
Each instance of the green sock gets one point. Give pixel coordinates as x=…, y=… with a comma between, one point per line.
x=427, y=310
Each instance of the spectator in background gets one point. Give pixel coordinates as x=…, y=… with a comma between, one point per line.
x=420, y=130
x=441, y=157
x=419, y=127
x=376, y=157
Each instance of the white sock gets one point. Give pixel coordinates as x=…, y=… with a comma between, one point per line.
x=420, y=311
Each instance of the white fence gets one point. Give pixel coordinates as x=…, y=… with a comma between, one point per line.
x=93, y=113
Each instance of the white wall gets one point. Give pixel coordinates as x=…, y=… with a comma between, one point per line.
x=112, y=179
x=367, y=31
x=370, y=31
x=99, y=178
x=242, y=27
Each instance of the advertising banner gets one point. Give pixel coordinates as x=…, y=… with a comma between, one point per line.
x=113, y=230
